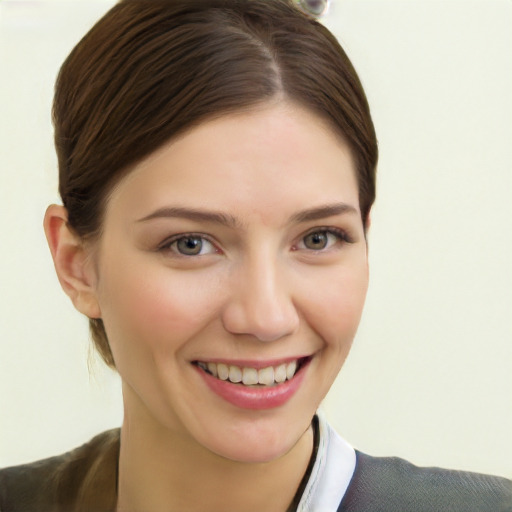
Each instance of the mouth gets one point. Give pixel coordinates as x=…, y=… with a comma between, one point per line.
x=248, y=376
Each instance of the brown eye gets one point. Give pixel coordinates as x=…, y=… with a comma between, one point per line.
x=316, y=241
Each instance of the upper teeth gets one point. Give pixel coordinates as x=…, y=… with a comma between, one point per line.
x=251, y=376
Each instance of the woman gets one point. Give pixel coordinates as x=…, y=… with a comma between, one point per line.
x=217, y=169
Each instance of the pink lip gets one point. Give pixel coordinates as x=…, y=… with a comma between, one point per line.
x=255, y=398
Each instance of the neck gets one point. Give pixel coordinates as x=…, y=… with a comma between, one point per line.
x=160, y=469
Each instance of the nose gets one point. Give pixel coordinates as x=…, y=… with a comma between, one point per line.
x=261, y=302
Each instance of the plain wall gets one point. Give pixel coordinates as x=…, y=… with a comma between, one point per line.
x=430, y=374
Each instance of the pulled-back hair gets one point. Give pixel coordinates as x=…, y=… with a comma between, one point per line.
x=151, y=69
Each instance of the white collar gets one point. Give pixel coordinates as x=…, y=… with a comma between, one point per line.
x=331, y=474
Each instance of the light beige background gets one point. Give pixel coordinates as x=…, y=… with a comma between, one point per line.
x=430, y=375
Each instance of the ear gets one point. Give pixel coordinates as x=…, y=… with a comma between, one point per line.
x=72, y=261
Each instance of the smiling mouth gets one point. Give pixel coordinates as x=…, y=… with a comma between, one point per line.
x=247, y=376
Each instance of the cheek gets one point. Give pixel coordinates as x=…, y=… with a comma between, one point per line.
x=333, y=311
x=335, y=306
x=156, y=308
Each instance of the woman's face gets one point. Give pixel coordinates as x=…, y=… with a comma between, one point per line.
x=236, y=251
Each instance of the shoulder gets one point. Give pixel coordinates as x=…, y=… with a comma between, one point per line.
x=381, y=484
x=59, y=483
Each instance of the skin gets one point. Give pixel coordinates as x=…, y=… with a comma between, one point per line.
x=259, y=290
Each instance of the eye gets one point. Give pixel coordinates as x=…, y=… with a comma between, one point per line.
x=189, y=245
x=322, y=239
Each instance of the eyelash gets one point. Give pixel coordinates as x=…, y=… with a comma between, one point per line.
x=167, y=244
x=341, y=235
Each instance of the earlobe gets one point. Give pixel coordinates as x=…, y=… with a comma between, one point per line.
x=72, y=263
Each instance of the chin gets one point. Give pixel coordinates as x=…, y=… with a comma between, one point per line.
x=259, y=442
x=253, y=453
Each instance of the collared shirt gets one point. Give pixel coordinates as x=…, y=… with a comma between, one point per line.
x=332, y=471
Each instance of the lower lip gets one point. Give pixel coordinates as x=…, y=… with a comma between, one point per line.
x=255, y=398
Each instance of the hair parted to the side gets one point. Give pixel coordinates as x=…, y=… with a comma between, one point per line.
x=151, y=69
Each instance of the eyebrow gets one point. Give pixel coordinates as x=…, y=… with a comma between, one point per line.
x=193, y=214
x=310, y=214
x=321, y=212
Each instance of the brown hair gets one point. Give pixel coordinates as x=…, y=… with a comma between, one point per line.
x=151, y=69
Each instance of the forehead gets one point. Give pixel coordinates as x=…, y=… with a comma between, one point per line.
x=260, y=162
